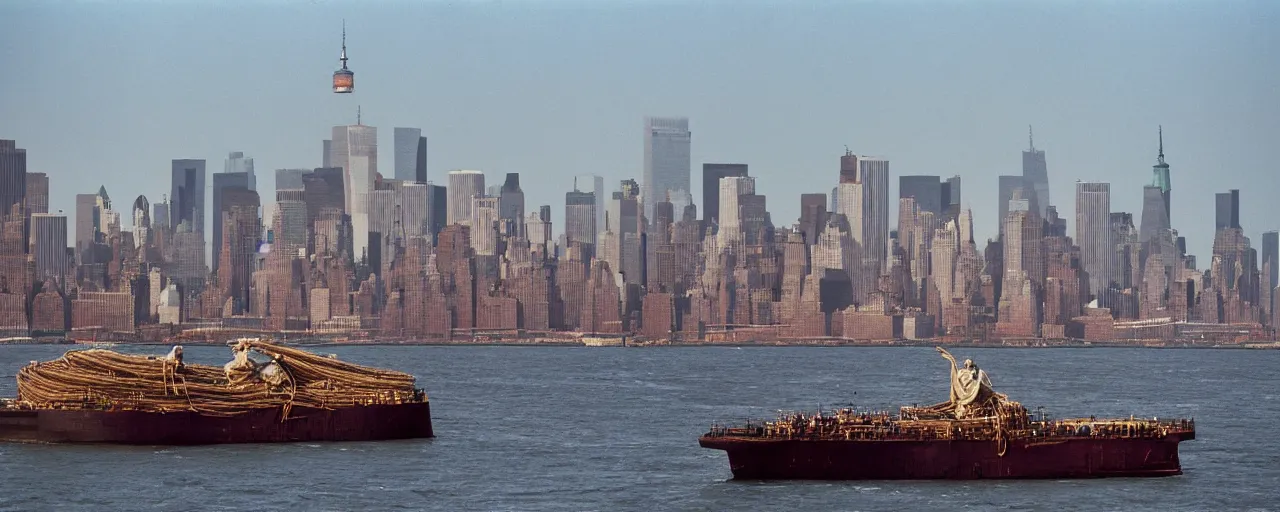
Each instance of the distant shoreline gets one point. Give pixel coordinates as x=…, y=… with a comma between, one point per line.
x=1020, y=344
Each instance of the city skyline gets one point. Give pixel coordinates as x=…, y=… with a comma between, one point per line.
x=1092, y=122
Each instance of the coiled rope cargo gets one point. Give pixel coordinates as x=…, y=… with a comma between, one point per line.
x=106, y=380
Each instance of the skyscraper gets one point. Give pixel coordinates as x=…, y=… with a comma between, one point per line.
x=463, y=185
x=221, y=182
x=926, y=190
x=731, y=189
x=1009, y=184
x=1227, y=210
x=186, y=196
x=1270, y=260
x=666, y=161
x=1093, y=233
x=37, y=192
x=437, y=209
x=13, y=175
x=511, y=203
x=327, y=159
x=411, y=155
x=49, y=245
x=141, y=222
x=484, y=219
x=1160, y=174
x=594, y=184
x=291, y=207
x=580, y=217
x=711, y=176
x=238, y=163
x=355, y=150
x=951, y=197
x=874, y=173
x=1036, y=174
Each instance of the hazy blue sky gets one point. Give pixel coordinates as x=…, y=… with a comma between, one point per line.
x=110, y=92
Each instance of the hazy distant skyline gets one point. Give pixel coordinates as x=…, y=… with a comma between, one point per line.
x=108, y=93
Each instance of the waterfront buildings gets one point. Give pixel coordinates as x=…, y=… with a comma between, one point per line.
x=348, y=253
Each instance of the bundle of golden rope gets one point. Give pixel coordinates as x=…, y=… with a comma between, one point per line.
x=102, y=379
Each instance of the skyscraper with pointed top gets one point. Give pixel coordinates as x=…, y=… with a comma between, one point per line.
x=1155, y=197
x=344, y=81
x=1160, y=173
x=1036, y=174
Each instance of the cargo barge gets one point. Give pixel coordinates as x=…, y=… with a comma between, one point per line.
x=976, y=434
x=101, y=396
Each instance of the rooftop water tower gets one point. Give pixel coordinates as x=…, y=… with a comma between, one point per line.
x=344, y=81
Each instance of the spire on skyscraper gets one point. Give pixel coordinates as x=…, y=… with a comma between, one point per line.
x=1031, y=138
x=1161, y=155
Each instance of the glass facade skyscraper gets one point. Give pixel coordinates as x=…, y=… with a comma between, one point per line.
x=666, y=161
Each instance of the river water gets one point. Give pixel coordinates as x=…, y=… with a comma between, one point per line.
x=560, y=428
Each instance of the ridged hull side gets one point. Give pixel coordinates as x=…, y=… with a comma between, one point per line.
x=359, y=423
x=753, y=459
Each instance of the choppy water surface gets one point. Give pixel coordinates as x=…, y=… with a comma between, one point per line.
x=554, y=428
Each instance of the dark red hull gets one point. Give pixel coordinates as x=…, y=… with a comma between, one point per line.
x=358, y=423
x=781, y=459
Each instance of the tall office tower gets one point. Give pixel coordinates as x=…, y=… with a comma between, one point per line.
x=711, y=176
x=1018, y=306
x=291, y=207
x=355, y=150
x=1093, y=233
x=813, y=216
x=539, y=231
x=1125, y=251
x=159, y=215
x=484, y=225
x=1008, y=185
x=411, y=155
x=580, y=217
x=874, y=173
x=463, y=185
x=186, y=196
x=223, y=181
x=437, y=209
x=511, y=203
x=849, y=198
x=1036, y=172
x=383, y=222
x=327, y=159
x=849, y=168
x=731, y=189
x=1227, y=210
x=538, y=226
x=13, y=175
x=625, y=210
x=594, y=184
x=666, y=161
x=49, y=246
x=951, y=196
x=1160, y=175
x=237, y=163
x=1270, y=260
x=86, y=222
x=926, y=190
x=37, y=192
x=242, y=230
x=141, y=222
x=415, y=209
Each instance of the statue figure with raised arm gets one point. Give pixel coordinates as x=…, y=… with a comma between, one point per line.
x=970, y=386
